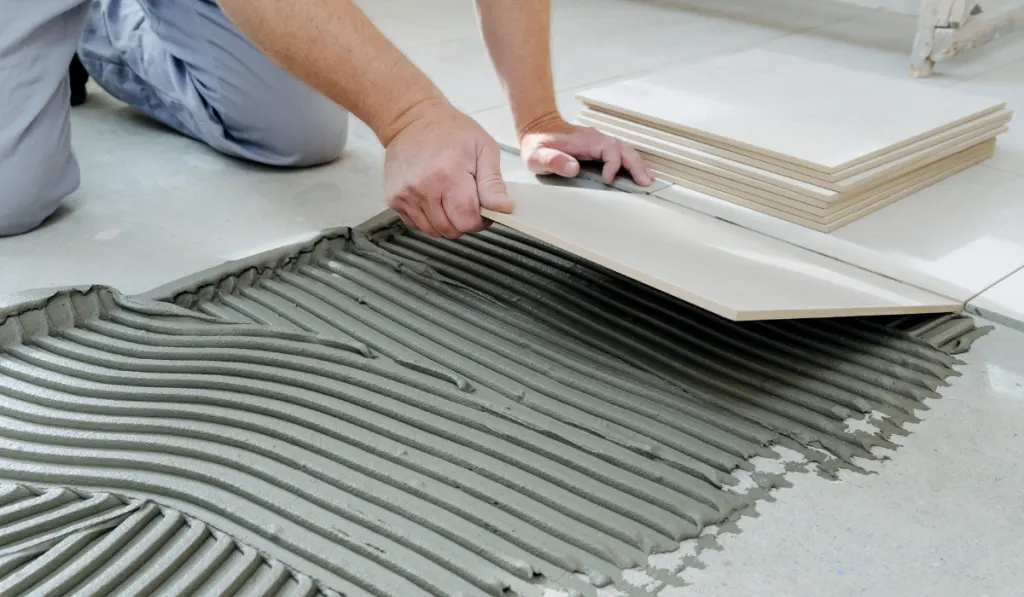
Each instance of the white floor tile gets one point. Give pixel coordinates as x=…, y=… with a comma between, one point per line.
x=880, y=42
x=601, y=40
x=155, y=206
x=499, y=124
x=1004, y=302
x=965, y=229
x=956, y=238
x=1007, y=84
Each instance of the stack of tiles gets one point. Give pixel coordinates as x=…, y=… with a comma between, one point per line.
x=811, y=143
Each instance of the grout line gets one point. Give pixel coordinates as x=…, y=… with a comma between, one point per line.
x=994, y=284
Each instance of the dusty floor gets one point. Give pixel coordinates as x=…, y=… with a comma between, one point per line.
x=943, y=517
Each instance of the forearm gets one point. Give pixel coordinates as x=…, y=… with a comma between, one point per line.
x=518, y=38
x=334, y=48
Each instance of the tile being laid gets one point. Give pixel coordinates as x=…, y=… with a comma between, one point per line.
x=955, y=238
x=725, y=269
x=746, y=100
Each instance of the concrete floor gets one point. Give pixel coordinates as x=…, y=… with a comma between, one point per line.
x=942, y=517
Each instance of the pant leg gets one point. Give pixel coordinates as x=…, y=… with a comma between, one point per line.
x=37, y=166
x=185, y=64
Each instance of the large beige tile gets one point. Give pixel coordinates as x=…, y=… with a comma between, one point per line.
x=828, y=220
x=956, y=238
x=746, y=100
x=723, y=268
x=803, y=180
x=1004, y=302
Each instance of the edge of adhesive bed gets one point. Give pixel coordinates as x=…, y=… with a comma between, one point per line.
x=745, y=101
x=723, y=268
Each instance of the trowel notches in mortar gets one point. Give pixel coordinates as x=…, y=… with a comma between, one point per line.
x=381, y=413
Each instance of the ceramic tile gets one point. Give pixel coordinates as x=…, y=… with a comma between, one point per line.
x=852, y=213
x=880, y=42
x=614, y=50
x=955, y=238
x=869, y=173
x=1003, y=303
x=786, y=15
x=462, y=69
x=745, y=100
x=454, y=17
x=965, y=229
x=179, y=207
x=499, y=124
x=836, y=212
x=712, y=264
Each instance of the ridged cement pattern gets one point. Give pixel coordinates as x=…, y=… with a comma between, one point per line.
x=63, y=542
x=396, y=415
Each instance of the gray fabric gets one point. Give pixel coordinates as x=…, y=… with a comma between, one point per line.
x=37, y=166
x=186, y=65
x=181, y=62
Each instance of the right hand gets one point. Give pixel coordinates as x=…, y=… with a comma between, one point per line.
x=440, y=169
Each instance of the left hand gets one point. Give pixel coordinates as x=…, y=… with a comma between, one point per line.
x=553, y=146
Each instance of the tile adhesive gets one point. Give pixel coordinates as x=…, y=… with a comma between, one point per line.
x=380, y=413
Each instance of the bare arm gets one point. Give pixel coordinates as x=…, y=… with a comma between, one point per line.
x=334, y=48
x=518, y=38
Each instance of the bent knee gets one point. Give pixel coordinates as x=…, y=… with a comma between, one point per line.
x=32, y=194
x=297, y=136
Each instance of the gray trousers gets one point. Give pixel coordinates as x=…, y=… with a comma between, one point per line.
x=181, y=62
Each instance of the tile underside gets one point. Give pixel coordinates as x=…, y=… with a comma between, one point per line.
x=414, y=417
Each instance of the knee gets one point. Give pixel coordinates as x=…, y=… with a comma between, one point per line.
x=32, y=194
x=299, y=134
x=313, y=141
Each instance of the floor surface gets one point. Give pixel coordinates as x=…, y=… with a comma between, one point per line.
x=941, y=518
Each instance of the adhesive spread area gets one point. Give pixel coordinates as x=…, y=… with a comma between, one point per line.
x=62, y=542
x=393, y=415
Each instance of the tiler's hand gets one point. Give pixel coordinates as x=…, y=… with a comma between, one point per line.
x=551, y=145
x=440, y=169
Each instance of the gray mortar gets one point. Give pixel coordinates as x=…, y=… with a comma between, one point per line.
x=65, y=542
x=395, y=415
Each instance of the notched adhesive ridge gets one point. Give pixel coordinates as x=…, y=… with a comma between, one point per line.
x=397, y=415
x=61, y=541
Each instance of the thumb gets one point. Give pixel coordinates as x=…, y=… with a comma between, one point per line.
x=547, y=160
x=490, y=185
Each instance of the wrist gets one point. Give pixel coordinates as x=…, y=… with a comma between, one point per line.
x=547, y=120
x=410, y=112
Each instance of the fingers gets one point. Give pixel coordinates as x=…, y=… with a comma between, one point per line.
x=462, y=205
x=547, y=160
x=611, y=155
x=586, y=143
x=636, y=166
x=412, y=215
x=438, y=218
x=490, y=185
